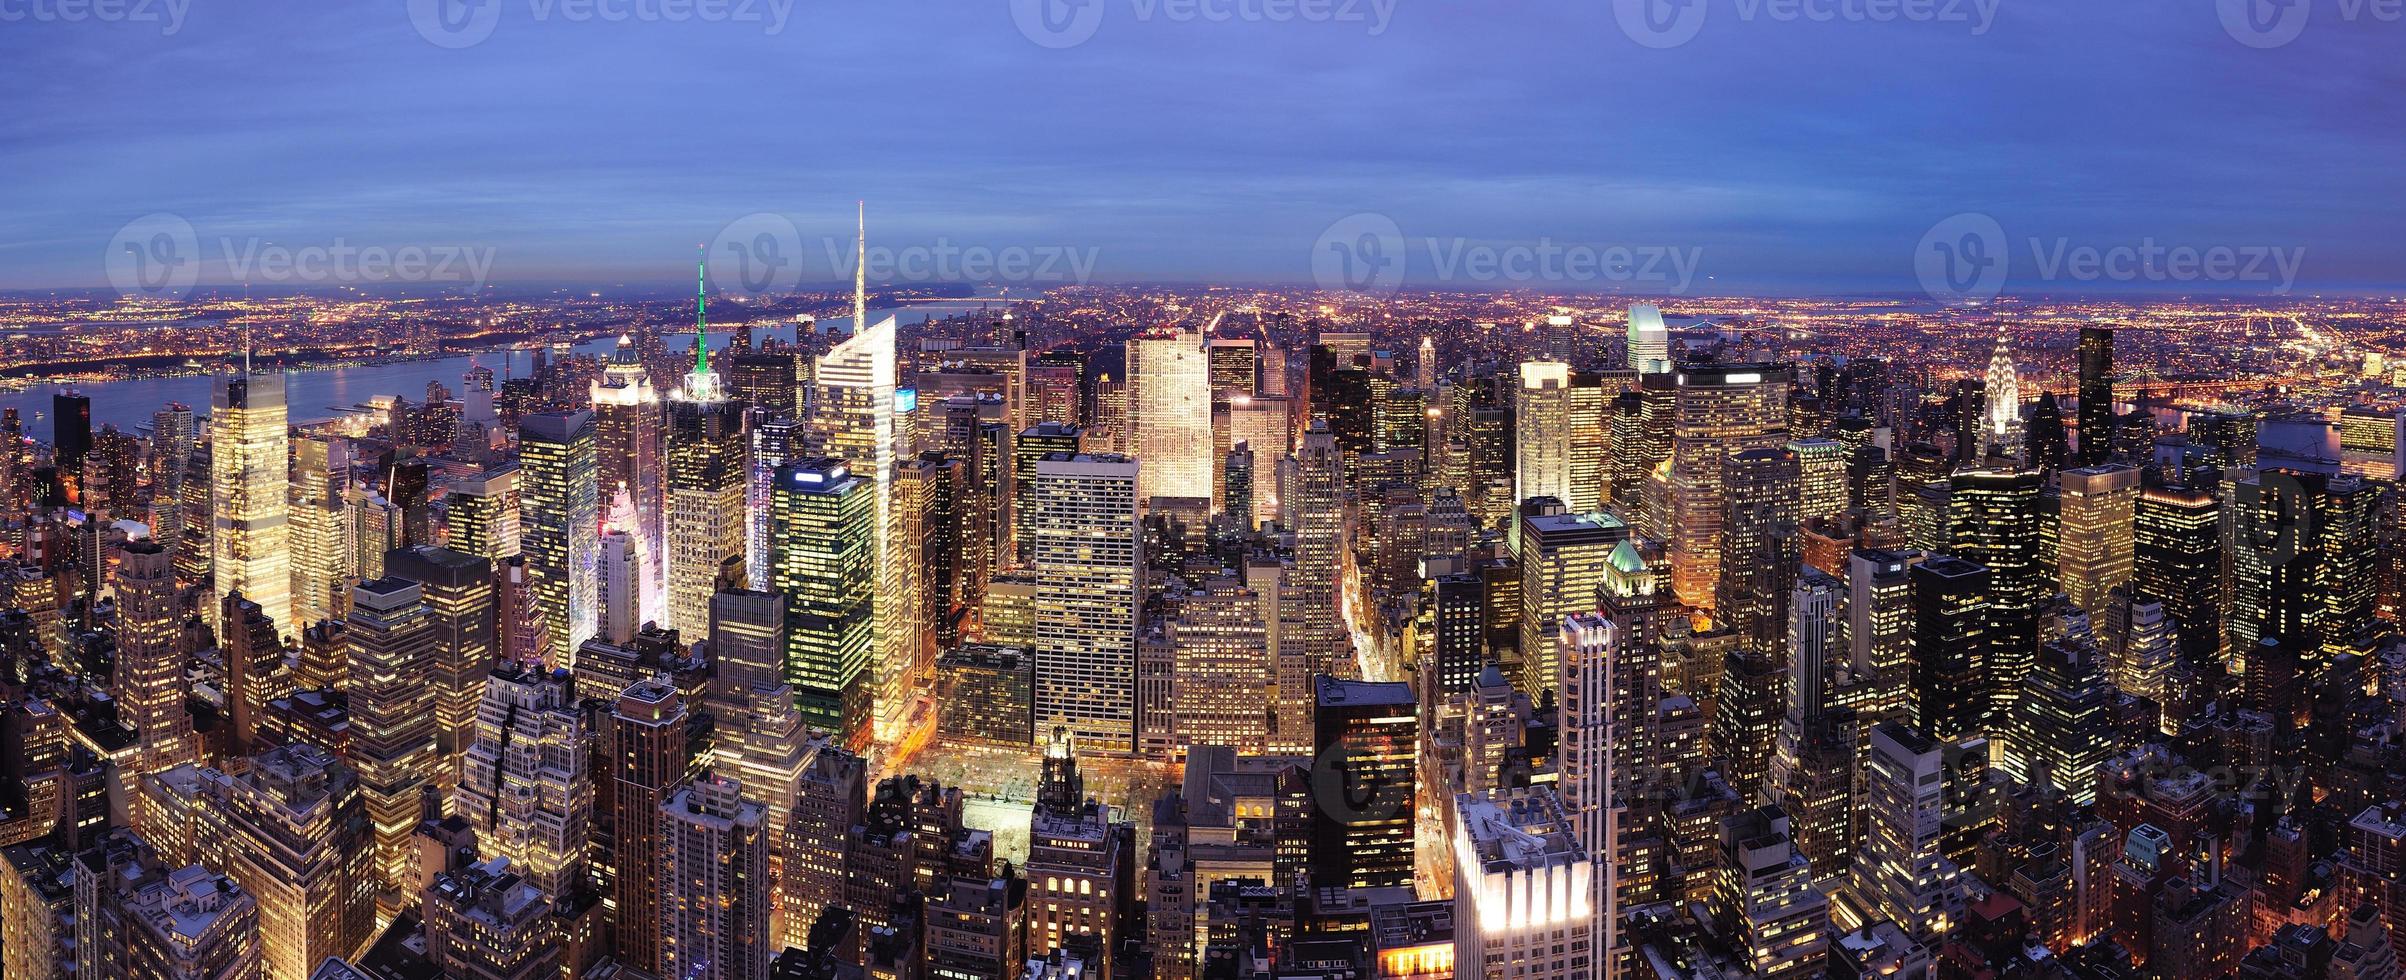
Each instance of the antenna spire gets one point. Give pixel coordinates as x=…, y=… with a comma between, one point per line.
x=860, y=272
x=246, y=343
x=701, y=311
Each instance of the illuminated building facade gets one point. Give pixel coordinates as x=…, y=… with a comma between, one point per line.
x=249, y=480
x=1089, y=571
x=560, y=519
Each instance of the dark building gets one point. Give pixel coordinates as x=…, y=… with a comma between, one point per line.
x=1363, y=790
x=2096, y=417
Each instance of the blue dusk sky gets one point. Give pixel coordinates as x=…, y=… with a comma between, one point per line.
x=1772, y=146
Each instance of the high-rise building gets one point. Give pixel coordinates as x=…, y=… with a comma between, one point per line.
x=1879, y=630
x=834, y=799
x=2062, y=726
x=1524, y=887
x=249, y=478
x=1954, y=680
x=1903, y=872
x=1649, y=341
x=1222, y=649
x=1994, y=520
x=2177, y=560
x=137, y=916
x=773, y=441
x=394, y=647
x=648, y=758
x=1081, y=866
x=1313, y=482
x=2297, y=544
x=1541, y=432
x=526, y=786
x=1999, y=427
x=1087, y=557
x=627, y=448
x=824, y=548
x=321, y=552
x=1564, y=559
x=1821, y=472
x=855, y=421
x=706, y=490
x=1235, y=367
x=483, y=514
x=2095, y=534
x=1362, y=826
x=1759, y=543
x=294, y=830
x=559, y=514
x=459, y=592
x=491, y=922
x=714, y=883
x=253, y=654
x=618, y=576
x=2096, y=418
x=1591, y=764
x=1717, y=411
x=1169, y=411
x=757, y=734
x=149, y=677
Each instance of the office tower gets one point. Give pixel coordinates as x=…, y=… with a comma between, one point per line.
x=1224, y=665
x=1994, y=521
x=458, y=589
x=2312, y=531
x=1081, y=869
x=490, y=922
x=295, y=831
x=407, y=484
x=1033, y=443
x=1717, y=411
x=1765, y=899
x=70, y=435
x=705, y=489
x=374, y=530
x=136, y=916
x=1169, y=410
x=483, y=514
x=1424, y=369
x=1052, y=389
x=149, y=677
x=250, y=548
x=1235, y=366
x=1088, y=562
x=1903, y=872
x=172, y=436
x=618, y=575
x=1588, y=425
x=521, y=631
x=1999, y=428
x=526, y=785
x=1563, y=561
x=834, y=799
x=1523, y=887
x=1460, y=632
x=559, y=513
x=627, y=454
x=2096, y=416
x=927, y=492
x=1821, y=474
x=1812, y=774
x=825, y=542
x=2096, y=533
x=773, y=441
x=855, y=422
x=2043, y=443
x=394, y=647
x=1362, y=832
x=2177, y=560
x=1879, y=631
x=714, y=883
x=1541, y=436
x=1592, y=764
x=1237, y=483
x=1314, y=478
x=758, y=736
x=1954, y=674
x=648, y=758
x=976, y=928
x=320, y=535
x=1759, y=543
x=253, y=654
x=2062, y=725
x=1649, y=341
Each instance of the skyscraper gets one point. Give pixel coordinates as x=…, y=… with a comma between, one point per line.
x=648, y=758
x=1169, y=408
x=825, y=540
x=1994, y=520
x=560, y=517
x=1954, y=680
x=2000, y=424
x=1563, y=560
x=483, y=515
x=714, y=883
x=2095, y=533
x=1592, y=766
x=757, y=734
x=321, y=558
x=1524, y=890
x=249, y=542
x=2177, y=560
x=1541, y=432
x=150, y=660
x=1649, y=340
x=526, y=785
x=1089, y=569
x=458, y=589
x=855, y=423
x=627, y=447
x=1717, y=411
x=392, y=697
x=2096, y=418
x=1903, y=871
x=1367, y=788
x=1314, y=504
x=706, y=491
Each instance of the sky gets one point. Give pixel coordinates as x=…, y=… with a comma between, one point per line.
x=1768, y=146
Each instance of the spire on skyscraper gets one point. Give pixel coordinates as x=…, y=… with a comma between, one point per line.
x=860, y=270
x=2001, y=419
x=701, y=314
